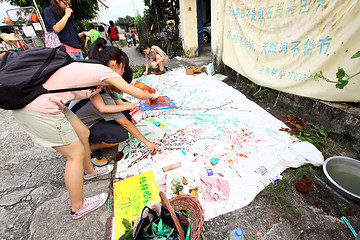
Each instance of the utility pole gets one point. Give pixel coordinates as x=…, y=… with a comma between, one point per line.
x=134, y=8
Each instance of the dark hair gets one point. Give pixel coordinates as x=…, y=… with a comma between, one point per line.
x=107, y=53
x=144, y=45
x=128, y=74
x=92, y=26
x=95, y=46
x=111, y=23
x=54, y=6
x=101, y=28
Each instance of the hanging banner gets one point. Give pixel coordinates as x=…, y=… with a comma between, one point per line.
x=283, y=44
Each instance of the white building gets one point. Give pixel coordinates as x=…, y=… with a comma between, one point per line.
x=103, y=16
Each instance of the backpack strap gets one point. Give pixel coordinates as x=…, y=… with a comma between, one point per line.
x=73, y=89
x=45, y=64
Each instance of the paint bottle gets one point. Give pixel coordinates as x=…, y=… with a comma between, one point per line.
x=304, y=184
x=236, y=234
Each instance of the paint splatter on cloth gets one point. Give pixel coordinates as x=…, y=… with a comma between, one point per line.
x=213, y=120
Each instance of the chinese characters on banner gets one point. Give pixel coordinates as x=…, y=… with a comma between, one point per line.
x=283, y=44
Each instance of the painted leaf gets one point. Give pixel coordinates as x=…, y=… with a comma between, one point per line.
x=340, y=74
x=126, y=223
x=356, y=55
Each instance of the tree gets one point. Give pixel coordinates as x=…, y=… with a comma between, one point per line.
x=161, y=10
x=83, y=9
x=126, y=21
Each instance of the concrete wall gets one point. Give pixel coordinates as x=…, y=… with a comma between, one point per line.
x=217, y=30
x=188, y=28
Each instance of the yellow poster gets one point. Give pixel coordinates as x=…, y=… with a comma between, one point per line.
x=130, y=197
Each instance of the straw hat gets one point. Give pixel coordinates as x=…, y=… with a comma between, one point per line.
x=9, y=37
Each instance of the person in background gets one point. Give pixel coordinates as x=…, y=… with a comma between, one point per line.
x=133, y=36
x=113, y=35
x=102, y=32
x=11, y=42
x=128, y=38
x=59, y=18
x=51, y=124
x=156, y=56
x=95, y=34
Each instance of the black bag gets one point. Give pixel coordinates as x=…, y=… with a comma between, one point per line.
x=23, y=73
x=144, y=223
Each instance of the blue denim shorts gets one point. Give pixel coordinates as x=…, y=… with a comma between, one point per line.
x=76, y=56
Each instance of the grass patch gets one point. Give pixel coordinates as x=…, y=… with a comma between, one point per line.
x=138, y=70
x=279, y=195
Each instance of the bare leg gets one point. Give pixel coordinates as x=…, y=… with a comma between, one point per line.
x=154, y=65
x=161, y=64
x=74, y=172
x=83, y=133
x=78, y=161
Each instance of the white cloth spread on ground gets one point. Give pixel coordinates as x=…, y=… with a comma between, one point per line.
x=213, y=120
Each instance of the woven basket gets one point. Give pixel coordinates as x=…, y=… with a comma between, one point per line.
x=192, y=205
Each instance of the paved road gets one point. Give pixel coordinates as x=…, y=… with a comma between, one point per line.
x=136, y=58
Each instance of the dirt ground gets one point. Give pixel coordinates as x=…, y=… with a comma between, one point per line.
x=281, y=212
x=315, y=215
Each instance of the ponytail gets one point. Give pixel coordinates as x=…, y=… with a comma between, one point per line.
x=96, y=47
x=103, y=53
x=99, y=51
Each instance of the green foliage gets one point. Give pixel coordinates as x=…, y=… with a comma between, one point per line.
x=123, y=43
x=304, y=132
x=157, y=10
x=298, y=106
x=154, y=20
x=138, y=70
x=342, y=207
x=128, y=235
x=342, y=77
x=137, y=19
x=251, y=87
x=280, y=197
x=260, y=94
x=126, y=20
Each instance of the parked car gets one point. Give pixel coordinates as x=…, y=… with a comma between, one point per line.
x=207, y=32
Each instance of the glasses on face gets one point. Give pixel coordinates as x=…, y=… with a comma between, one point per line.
x=66, y=3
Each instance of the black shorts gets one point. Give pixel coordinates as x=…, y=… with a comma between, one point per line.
x=107, y=132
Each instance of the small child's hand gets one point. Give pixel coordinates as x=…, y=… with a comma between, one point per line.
x=128, y=105
x=145, y=73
